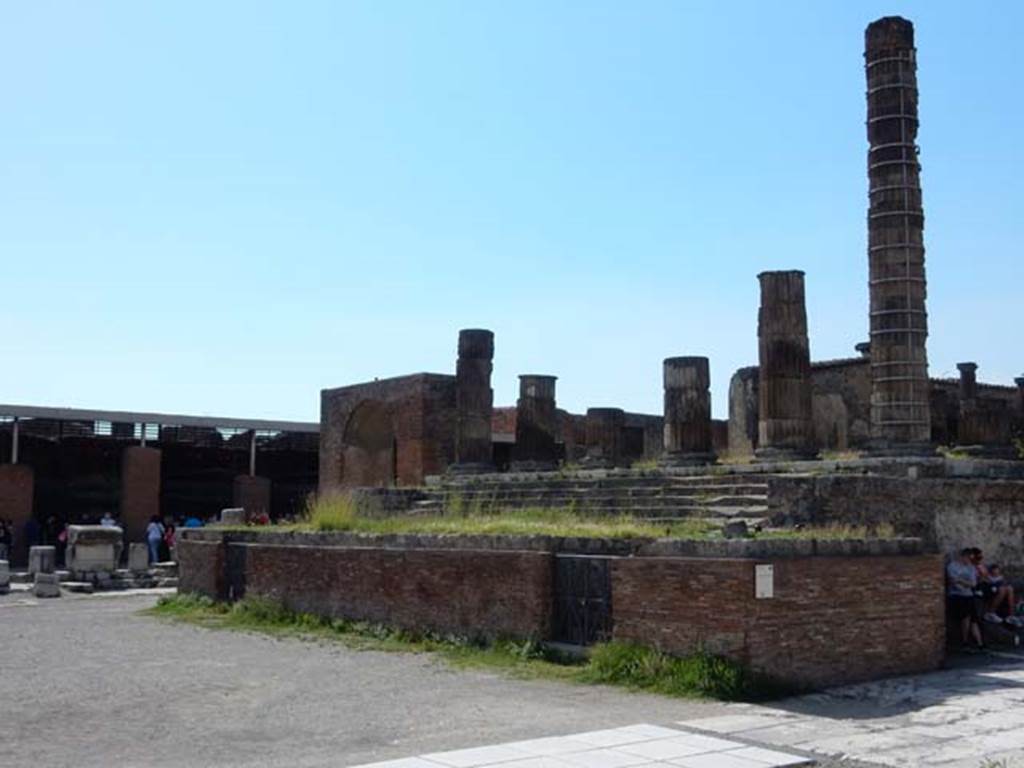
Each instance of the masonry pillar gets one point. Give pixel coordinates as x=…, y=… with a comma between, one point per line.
x=604, y=437
x=968, y=381
x=785, y=427
x=140, y=489
x=536, y=423
x=687, y=430
x=251, y=493
x=474, y=401
x=17, y=491
x=900, y=408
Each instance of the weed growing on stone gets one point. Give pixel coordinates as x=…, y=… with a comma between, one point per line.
x=702, y=675
x=339, y=513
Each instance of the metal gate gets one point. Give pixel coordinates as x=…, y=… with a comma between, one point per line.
x=583, y=600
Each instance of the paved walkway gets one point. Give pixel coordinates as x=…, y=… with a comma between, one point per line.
x=957, y=718
x=635, y=746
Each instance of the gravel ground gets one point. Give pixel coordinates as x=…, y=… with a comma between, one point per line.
x=87, y=681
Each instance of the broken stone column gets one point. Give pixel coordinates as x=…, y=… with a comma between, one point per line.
x=900, y=389
x=536, y=424
x=42, y=559
x=5, y=577
x=474, y=402
x=604, y=437
x=785, y=426
x=687, y=428
x=968, y=381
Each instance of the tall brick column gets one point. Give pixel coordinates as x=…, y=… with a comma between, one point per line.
x=536, y=423
x=140, y=489
x=474, y=401
x=17, y=493
x=900, y=417
x=687, y=431
x=785, y=427
x=604, y=437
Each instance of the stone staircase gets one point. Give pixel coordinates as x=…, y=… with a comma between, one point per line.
x=647, y=496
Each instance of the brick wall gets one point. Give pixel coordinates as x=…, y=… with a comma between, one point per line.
x=377, y=433
x=832, y=620
x=140, y=489
x=201, y=567
x=251, y=493
x=17, y=489
x=471, y=593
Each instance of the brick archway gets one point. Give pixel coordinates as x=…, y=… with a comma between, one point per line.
x=369, y=447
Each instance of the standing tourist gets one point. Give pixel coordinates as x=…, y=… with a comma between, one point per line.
x=154, y=538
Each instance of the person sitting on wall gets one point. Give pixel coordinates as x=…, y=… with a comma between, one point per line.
x=997, y=596
x=108, y=520
x=962, y=581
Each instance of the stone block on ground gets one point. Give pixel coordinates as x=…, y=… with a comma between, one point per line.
x=5, y=577
x=138, y=558
x=42, y=560
x=94, y=549
x=232, y=516
x=46, y=585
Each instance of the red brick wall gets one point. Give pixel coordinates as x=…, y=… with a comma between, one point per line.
x=17, y=487
x=252, y=494
x=140, y=489
x=465, y=592
x=201, y=567
x=832, y=620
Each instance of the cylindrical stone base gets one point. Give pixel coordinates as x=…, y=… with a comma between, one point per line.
x=687, y=430
x=604, y=437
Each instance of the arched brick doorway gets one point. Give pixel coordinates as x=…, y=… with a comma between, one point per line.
x=369, y=449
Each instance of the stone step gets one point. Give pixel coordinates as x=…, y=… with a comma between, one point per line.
x=583, y=503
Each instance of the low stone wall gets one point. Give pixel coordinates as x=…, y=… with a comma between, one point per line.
x=841, y=611
x=947, y=513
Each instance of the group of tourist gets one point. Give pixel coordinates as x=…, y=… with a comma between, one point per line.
x=6, y=538
x=979, y=593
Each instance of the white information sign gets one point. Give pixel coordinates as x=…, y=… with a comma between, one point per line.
x=764, y=582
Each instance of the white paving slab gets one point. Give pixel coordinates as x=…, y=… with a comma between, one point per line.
x=972, y=715
x=634, y=746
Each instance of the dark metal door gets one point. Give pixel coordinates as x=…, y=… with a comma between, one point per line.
x=583, y=600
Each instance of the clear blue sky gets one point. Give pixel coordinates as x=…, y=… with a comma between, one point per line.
x=225, y=207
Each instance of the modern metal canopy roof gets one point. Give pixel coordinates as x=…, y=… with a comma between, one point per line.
x=170, y=419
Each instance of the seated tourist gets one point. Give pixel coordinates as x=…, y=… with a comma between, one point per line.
x=961, y=583
x=999, y=601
